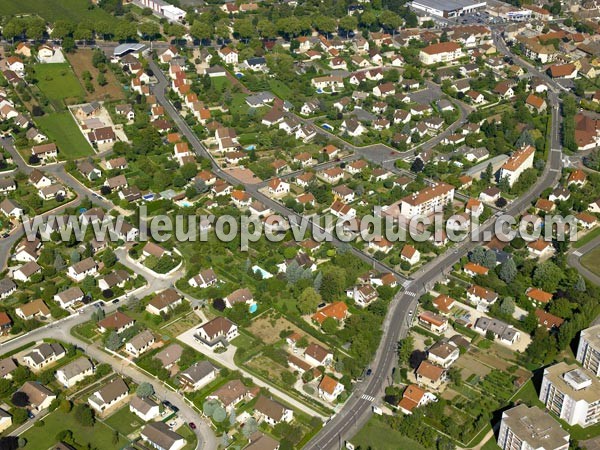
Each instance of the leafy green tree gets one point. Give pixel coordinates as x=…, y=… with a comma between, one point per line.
x=547, y=276
x=308, y=300
x=507, y=306
x=109, y=258
x=329, y=325
x=84, y=415
x=508, y=271
x=144, y=390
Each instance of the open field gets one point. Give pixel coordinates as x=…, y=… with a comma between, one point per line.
x=75, y=10
x=591, y=261
x=377, y=435
x=99, y=436
x=267, y=329
x=58, y=83
x=81, y=60
x=61, y=128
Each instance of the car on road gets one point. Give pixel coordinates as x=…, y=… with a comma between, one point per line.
x=115, y=301
x=369, y=372
x=5, y=235
x=192, y=425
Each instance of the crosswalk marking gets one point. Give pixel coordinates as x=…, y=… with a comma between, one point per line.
x=577, y=253
x=406, y=283
x=411, y=294
x=369, y=398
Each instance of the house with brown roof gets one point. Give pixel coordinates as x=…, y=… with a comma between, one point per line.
x=481, y=297
x=444, y=303
x=35, y=309
x=140, y=343
x=538, y=297
x=535, y=103
x=242, y=295
x=550, y=321
x=82, y=269
x=567, y=71
x=230, y=394
x=40, y=397
x=317, y=355
x=169, y=356
x=45, y=151
x=272, y=412
x=164, y=302
x=430, y=375
x=329, y=388
x=540, y=248
x=197, y=375
x=410, y=254
x=413, y=397
x=44, y=354
x=336, y=310
x=441, y=52
x=117, y=322
x=216, y=332
x=443, y=353
x=109, y=395
x=434, y=322
x=160, y=436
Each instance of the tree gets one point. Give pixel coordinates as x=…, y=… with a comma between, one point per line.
x=113, y=341
x=59, y=262
x=20, y=399
x=508, y=271
x=250, y=427
x=209, y=406
x=84, y=415
x=547, y=276
x=308, y=300
x=219, y=414
x=405, y=348
x=329, y=325
x=334, y=281
x=507, y=307
x=144, y=390
x=417, y=165
x=488, y=174
x=109, y=258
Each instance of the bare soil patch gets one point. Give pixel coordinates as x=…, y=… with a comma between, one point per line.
x=81, y=60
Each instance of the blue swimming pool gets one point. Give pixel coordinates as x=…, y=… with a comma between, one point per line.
x=265, y=275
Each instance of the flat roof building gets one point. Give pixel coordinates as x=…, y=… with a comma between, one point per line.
x=572, y=393
x=524, y=428
x=448, y=8
x=588, y=350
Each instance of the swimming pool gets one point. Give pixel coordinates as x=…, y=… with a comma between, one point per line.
x=265, y=275
x=251, y=147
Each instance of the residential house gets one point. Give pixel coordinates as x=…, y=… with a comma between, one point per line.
x=145, y=408
x=69, y=297
x=481, y=297
x=82, y=269
x=161, y=437
x=272, y=412
x=71, y=374
x=500, y=330
x=35, y=309
x=329, y=388
x=40, y=397
x=430, y=375
x=164, y=302
x=434, y=322
x=117, y=322
x=216, y=332
x=197, y=375
x=44, y=354
x=140, y=343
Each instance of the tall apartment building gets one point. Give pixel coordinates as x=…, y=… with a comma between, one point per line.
x=572, y=393
x=530, y=428
x=519, y=162
x=588, y=351
x=440, y=53
x=426, y=201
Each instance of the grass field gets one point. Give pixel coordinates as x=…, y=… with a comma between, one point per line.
x=61, y=128
x=280, y=89
x=490, y=445
x=58, y=82
x=591, y=261
x=124, y=421
x=99, y=436
x=75, y=10
x=587, y=238
x=378, y=436
x=81, y=61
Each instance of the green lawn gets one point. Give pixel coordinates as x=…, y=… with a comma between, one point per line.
x=587, y=238
x=61, y=128
x=58, y=82
x=99, y=436
x=379, y=436
x=220, y=83
x=591, y=261
x=529, y=395
x=491, y=444
x=75, y=10
x=280, y=89
x=124, y=421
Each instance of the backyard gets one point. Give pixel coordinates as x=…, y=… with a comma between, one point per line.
x=99, y=436
x=58, y=83
x=61, y=129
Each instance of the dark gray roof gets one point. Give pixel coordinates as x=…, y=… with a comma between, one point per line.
x=198, y=371
x=160, y=434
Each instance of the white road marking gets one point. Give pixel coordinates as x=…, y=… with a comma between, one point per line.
x=577, y=253
x=368, y=397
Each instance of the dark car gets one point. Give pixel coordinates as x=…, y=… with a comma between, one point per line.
x=192, y=425
x=369, y=372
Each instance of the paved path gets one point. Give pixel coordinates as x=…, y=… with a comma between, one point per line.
x=574, y=259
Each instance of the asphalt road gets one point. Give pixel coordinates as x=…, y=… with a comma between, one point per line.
x=574, y=259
